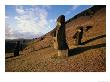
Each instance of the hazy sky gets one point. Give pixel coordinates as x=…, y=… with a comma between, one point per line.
x=30, y=21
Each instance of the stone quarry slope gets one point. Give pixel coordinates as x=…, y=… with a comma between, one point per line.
x=39, y=55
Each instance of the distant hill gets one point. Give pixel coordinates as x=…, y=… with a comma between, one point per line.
x=11, y=43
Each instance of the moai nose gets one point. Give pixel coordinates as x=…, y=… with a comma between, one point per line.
x=58, y=23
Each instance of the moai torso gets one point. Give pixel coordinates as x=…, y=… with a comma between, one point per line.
x=60, y=37
x=17, y=49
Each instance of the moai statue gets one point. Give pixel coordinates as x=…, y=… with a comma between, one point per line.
x=59, y=37
x=17, y=48
x=78, y=35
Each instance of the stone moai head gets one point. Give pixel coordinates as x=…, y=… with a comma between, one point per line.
x=80, y=28
x=18, y=43
x=61, y=19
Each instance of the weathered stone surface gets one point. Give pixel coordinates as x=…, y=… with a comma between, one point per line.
x=55, y=44
x=63, y=53
x=78, y=36
x=59, y=37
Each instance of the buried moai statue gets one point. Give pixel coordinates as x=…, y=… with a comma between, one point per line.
x=17, y=48
x=59, y=37
x=78, y=35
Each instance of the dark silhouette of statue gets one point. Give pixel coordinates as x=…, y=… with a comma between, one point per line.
x=17, y=48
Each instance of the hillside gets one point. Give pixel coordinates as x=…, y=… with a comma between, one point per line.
x=39, y=55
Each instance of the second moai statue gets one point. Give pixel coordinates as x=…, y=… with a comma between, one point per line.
x=78, y=35
x=17, y=48
x=60, y=37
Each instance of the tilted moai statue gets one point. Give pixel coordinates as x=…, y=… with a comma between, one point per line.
x=78, y=35
x=60, y=37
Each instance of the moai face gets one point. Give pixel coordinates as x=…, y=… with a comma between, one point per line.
x=79, y=30
x=58, y=24
x=61, y=19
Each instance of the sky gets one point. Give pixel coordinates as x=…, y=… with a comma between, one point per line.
x=32, y=21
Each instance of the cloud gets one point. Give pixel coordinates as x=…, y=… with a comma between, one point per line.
x=53, y=23
x=74, y=7
x=52, y=20
x=30, y=22
x=12, y=34
x=6, y=17
x=8, y=32
x=34, y=20
x=46, y=6
x=20, y=10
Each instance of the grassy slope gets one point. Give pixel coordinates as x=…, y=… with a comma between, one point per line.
x=89, y=57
